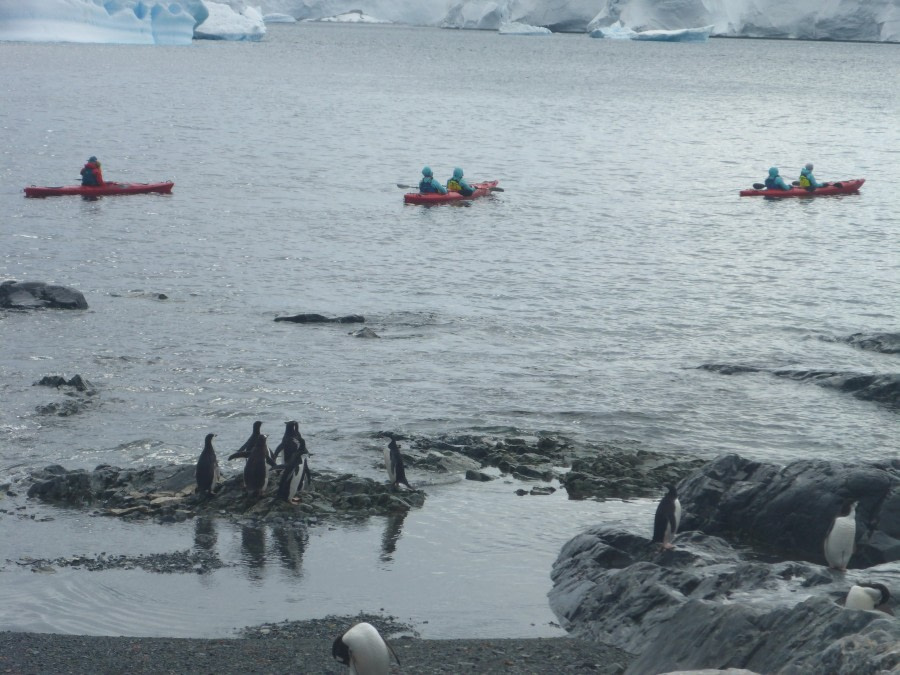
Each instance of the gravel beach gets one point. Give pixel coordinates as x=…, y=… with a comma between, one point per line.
x=299, y=647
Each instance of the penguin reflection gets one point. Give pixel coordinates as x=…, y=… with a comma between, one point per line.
x=253, y=546
x=205, y=537
x=290, y=543
x=393, y=529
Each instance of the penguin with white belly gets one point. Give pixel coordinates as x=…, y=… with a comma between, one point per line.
x=295, y=479
x=364, y=650
x=393, y=462
x=840, y=541
x=868, y=596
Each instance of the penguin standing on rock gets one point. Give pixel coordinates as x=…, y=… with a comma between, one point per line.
x=292, y=443
x=256, y=470
x=364, y=650
x=668, y=516
x=393, y=462
x=207, y=468
x=294, y=479
x=868, y=596
x=840, y=542
x=247, y=448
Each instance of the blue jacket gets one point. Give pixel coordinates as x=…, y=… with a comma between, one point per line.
x=776, y=182
x=810, y=179
x=458, y=184
x=430, y=184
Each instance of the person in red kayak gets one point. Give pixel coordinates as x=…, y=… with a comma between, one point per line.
x=807, y=180
x=92, y=174
x=458, y=184
x=775, y=181
x=429, y=184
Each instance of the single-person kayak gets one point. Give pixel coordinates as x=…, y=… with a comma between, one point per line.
x=481, y=190
x=108, y=188
x=841, y=187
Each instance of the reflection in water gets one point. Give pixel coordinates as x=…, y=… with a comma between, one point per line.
x=393, y=528
x=205, y=537
x=289, y=546
x=253, y=546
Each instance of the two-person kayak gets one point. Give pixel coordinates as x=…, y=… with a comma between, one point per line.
x=481, y=190
x=109, y=188
x=843, y=187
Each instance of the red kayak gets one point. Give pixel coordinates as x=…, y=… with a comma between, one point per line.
x=481, y=190
x=108, y=188
x=843, y=187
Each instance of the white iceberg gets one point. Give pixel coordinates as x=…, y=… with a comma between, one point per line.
x=279, y=18
x=353, y=16
x=617, y=31
x=90, y=21
x=225, y=23
x=516, y=28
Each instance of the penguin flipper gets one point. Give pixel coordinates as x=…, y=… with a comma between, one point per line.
x=238, y=455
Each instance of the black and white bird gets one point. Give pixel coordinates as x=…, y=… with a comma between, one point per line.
x=867, y=596
x=249, y=444
x=393, y=462
x=207, y=472
x=295, y=479
x=364, y=650
x=666, y=520
x=292, y=443
x=256, y=470
x=840, y=541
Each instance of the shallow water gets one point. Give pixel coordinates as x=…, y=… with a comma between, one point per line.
x=580, y=301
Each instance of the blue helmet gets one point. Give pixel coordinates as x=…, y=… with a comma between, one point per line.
x=426, y=171
x=773, y=171
x=92, y=159
x=457, y=173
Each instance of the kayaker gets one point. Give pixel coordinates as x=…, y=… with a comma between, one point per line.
x=91, y=173
x=429, y=184
x=807, y=180
x=458, y=184
x=776, y=182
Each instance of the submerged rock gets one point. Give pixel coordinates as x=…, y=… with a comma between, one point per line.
x=39, y=295
x=318, y=318
x=886, y=343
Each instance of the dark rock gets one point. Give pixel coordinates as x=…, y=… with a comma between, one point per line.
x=788, y=510
x=318, y=318
x=367, y=333
x=614, y=473
x=886, y=343
x=705, y=605
x=37, y=295
x=77, y=382
x=471, y=474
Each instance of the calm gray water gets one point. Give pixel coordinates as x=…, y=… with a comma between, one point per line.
x=579, y=301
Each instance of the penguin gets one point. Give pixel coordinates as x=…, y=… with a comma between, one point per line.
x=393, y=462
x=841, y=537
x=867, y=596
x=295, y=479
x=249, y=444
x=668, y=516
x=207, y=467
x=364, y=650
x=288, y=444
x=256, y=470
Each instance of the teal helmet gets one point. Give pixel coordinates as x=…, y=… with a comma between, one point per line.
x=426, y=171
x=773, y=171
x=457, y=173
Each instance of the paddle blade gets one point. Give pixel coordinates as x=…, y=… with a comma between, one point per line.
x=759, y=186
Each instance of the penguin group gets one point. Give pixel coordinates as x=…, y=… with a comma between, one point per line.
x=259, y=461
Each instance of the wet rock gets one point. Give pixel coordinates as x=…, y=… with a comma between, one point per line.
x=480, y=476
x=366, y=333
x=167, y=494
x=787, y=510
x=318, y=318
x=615, y=473
x=39, y=295
x=886, y=343
x=706, y=605
x=79, y=396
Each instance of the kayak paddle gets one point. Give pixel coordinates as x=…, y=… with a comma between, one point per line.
x=416, y=187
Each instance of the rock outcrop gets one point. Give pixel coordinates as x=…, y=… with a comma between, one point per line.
x=786, y=511
x=39, y=295
x=318, y=318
